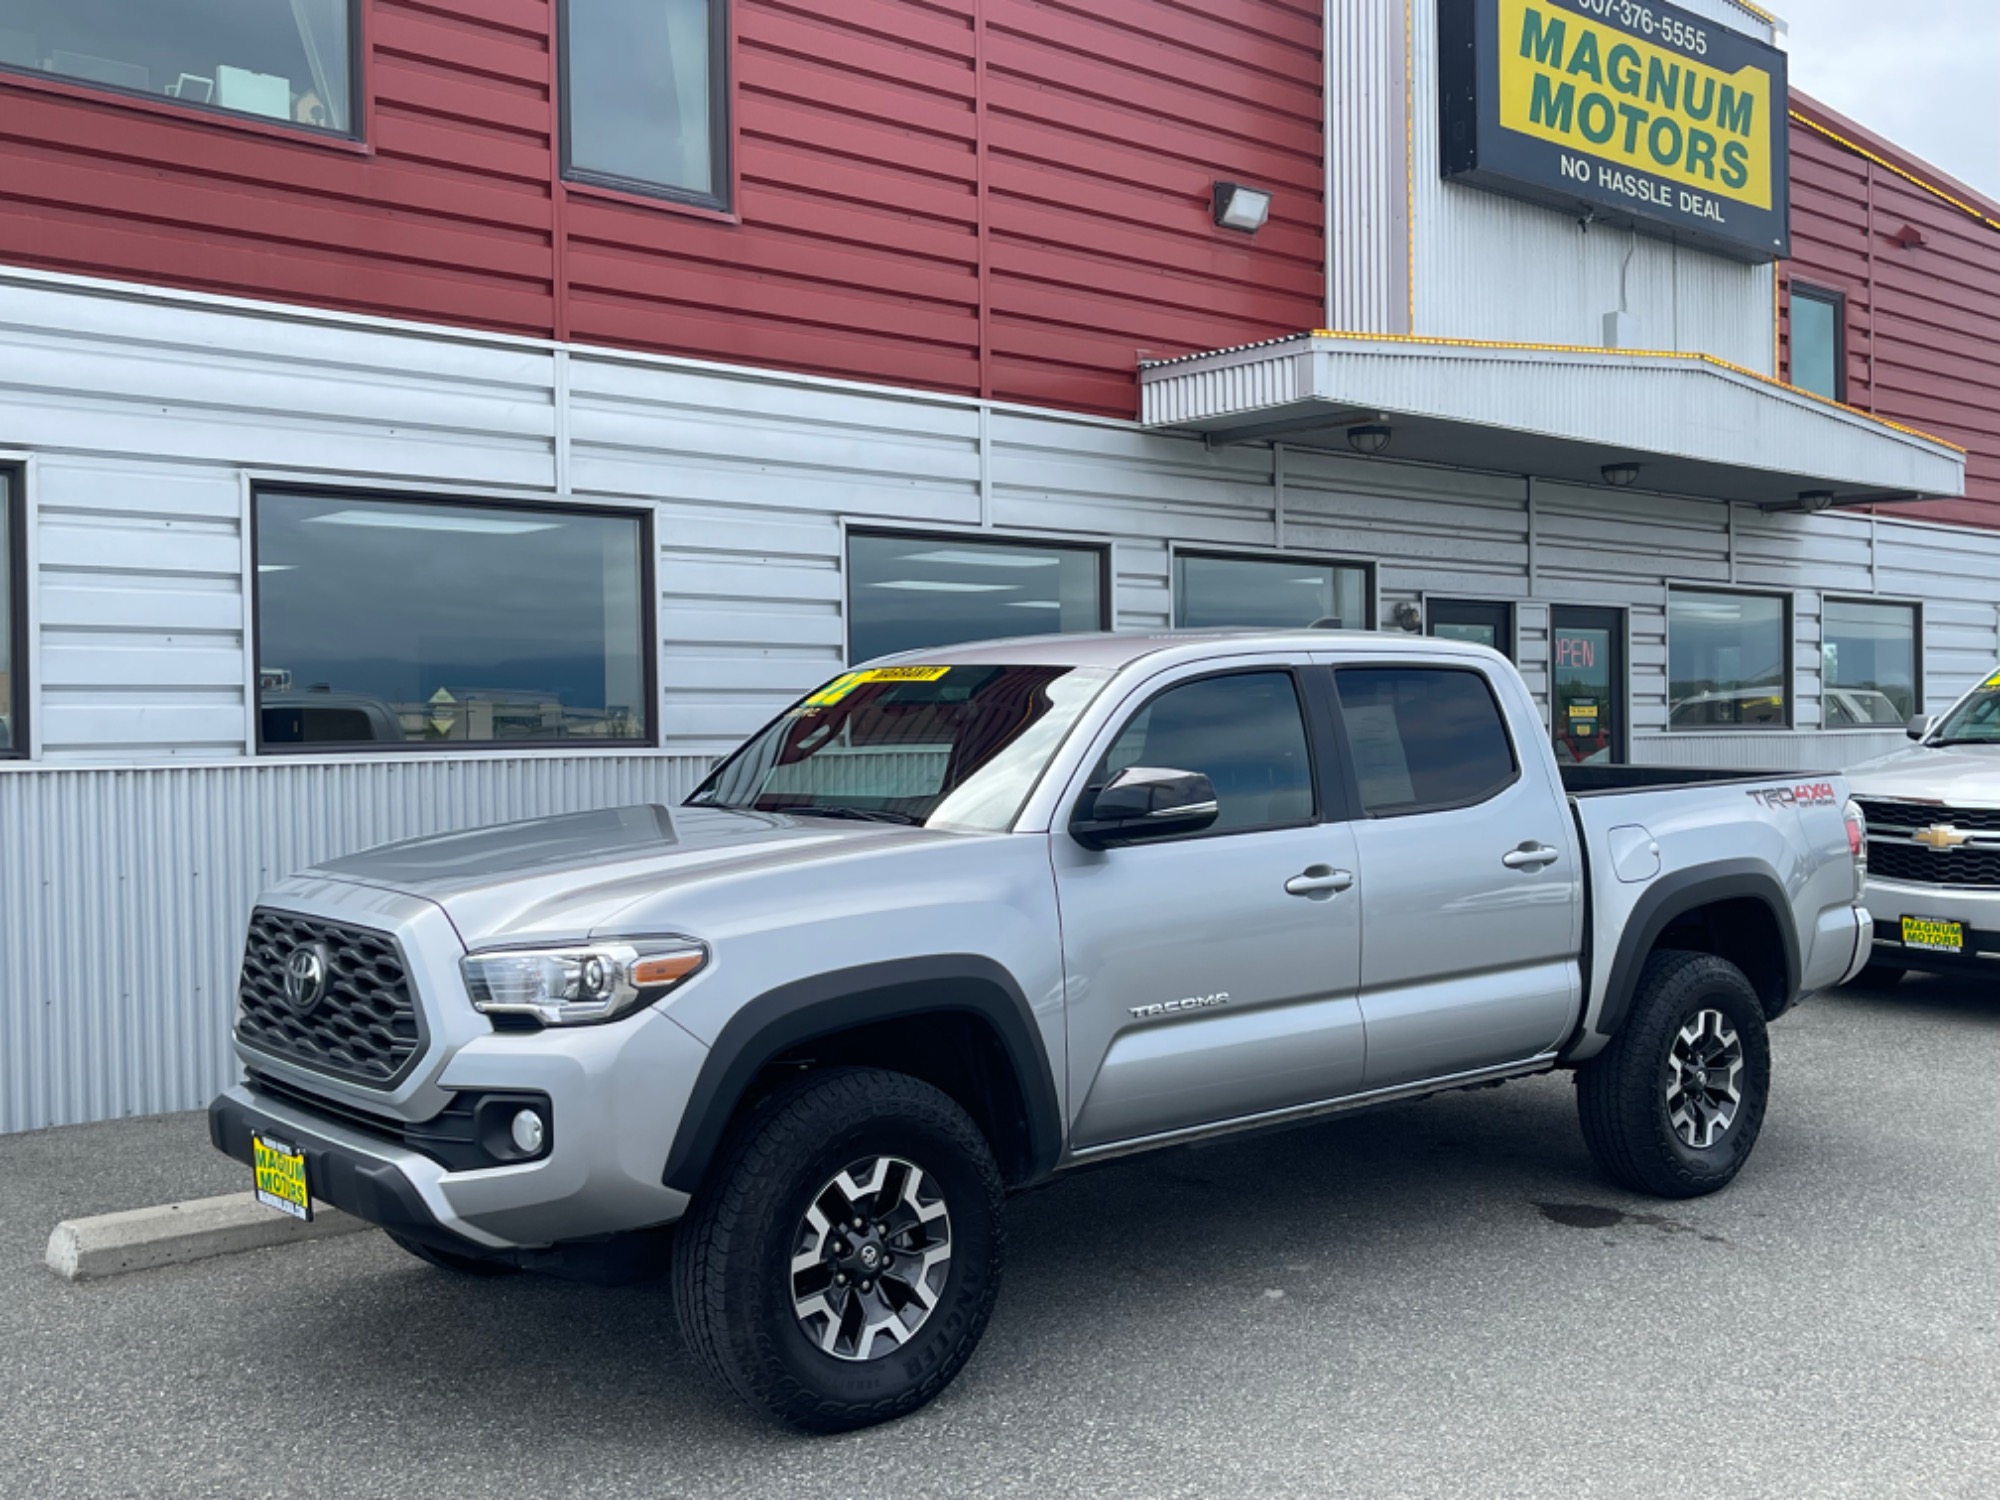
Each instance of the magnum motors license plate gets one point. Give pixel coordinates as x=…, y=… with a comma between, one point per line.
x=1933, y=935
x=281, y=1178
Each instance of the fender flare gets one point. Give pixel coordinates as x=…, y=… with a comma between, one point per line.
x=1676, y=895
x=793, y=1014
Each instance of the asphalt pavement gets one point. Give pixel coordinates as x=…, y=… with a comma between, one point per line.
x=1437, y=1299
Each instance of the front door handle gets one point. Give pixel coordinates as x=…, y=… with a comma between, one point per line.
x=1319, y=882
x=1530, y=856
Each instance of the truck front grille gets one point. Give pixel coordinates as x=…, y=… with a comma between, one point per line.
x=364, y=1026
x=1912, y=817
x=1919, y=865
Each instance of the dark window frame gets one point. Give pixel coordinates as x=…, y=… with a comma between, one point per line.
x=1916, y=609
x=1367, y=566
x=1326, y=806
x=1349, y=770
x=649, y=622
x=14, y=477
x=721, y=121
x=963, y=539
x=1838, y=302
x=357, y=94
x=1510, y=631
x=1786, y=624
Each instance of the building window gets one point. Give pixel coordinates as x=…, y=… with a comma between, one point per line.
x=1819, y=362
x=1870, y=663
x=646, y=97
x=1274, y=592
x=1481, y=623
x=403, y=624
x=906, y=593
x=1728, y=661
x=13, y=618
x=291, y=63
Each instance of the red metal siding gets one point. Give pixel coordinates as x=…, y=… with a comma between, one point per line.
x=1921, y=322
x=1008, y=197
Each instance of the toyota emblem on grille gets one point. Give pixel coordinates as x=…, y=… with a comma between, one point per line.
x=305, y=976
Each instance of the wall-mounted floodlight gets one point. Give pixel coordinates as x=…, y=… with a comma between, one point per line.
x=1240, y=207
x=1624, y=476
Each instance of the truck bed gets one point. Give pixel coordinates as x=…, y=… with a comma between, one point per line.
x=1600, y=781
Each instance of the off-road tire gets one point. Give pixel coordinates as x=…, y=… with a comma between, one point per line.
x=449, y=1260
x=1621, y=1094
x=732, y=1274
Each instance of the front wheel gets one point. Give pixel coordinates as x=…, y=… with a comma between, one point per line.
x=840, y=1265
x=1673, y=1106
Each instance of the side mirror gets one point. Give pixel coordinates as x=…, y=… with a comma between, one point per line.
x=1920, y=725
x=1144, y=802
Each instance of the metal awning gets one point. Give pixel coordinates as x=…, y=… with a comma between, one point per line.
x=1695, y=425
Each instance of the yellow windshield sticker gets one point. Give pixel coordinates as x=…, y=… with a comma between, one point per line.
x=1992, y=682
x=847, y=682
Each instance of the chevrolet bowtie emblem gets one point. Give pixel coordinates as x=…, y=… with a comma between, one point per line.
x=1942, y=836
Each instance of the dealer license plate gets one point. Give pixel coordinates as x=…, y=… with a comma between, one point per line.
x=1933, y=936
x=281, y=1178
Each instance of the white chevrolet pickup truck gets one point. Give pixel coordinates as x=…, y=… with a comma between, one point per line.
x=960, y=921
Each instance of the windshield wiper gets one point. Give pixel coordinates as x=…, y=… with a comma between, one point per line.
x=855, y=814
x=1964, y=739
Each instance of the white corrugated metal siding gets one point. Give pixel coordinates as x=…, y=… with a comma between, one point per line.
x=123, y=897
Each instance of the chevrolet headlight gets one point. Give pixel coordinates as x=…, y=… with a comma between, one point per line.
x=579, y=986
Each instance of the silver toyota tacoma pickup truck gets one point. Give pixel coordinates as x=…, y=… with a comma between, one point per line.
x=961, y=921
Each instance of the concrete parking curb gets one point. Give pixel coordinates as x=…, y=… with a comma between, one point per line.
x=173, y=1233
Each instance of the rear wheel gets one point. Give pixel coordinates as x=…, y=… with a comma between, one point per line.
x=1673, y=1106
x=840, y=1265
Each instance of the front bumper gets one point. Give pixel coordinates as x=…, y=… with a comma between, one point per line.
x=615, y=1096
x=1978, y=911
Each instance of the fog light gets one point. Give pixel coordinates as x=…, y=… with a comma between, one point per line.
x=529, y=1132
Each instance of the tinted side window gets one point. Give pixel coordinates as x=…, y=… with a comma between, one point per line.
x=1245, y=733
x=1423, y=737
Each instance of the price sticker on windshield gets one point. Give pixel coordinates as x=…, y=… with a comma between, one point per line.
x=1992, y=682
x=847, y=682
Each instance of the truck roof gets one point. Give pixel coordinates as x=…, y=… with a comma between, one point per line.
x=1113, y=650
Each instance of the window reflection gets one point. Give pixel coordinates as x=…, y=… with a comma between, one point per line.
x=1726, y=661
x=640, y=77
x=1276, y=592
x=910, y=593
x=386, y=622
x=1868, y=664
x=282, y=60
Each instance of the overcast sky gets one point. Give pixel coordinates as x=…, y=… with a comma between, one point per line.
x=1924, y=73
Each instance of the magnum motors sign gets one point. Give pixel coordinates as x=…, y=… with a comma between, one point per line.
x=1629, y=111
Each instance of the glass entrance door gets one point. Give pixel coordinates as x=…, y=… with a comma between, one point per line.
x=1478, y=621
x=1587, y=684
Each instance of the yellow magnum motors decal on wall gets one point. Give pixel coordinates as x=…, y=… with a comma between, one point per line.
x=1632, y=112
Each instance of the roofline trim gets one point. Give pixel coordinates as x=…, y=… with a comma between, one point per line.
x=1685, y=355
x=1882, y=161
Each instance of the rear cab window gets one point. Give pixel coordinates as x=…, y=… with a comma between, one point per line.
x=1424, y=739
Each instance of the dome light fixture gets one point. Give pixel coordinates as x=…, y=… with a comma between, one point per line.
x=1623, y=476
x=1369, y=438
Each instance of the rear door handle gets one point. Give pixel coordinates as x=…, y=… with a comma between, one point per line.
x=1530, y=856
x=1319, y=882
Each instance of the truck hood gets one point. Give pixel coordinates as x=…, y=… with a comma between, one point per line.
x=562, y=879
x=1961, y=775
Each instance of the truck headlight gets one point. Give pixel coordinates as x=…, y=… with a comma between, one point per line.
x=579, y=986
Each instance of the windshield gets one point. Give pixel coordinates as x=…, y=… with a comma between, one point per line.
x=943, y=745
x=1976, y=721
